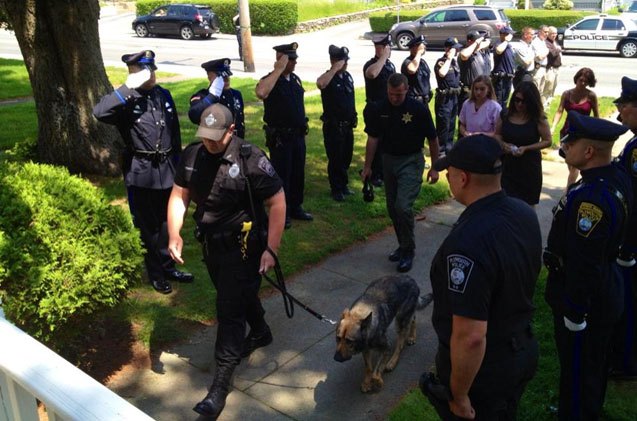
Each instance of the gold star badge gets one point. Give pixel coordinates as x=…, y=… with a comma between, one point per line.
x=407, y=118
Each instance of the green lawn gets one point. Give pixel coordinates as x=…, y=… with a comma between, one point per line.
x=315, y=9
x=542, y=391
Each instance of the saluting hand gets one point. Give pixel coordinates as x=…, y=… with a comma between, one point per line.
x=216, y=87
x=175, y=245
x=281, y=62
x=135, y=80
x=338, y=65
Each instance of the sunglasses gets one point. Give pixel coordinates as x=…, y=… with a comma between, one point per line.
x=518, y=99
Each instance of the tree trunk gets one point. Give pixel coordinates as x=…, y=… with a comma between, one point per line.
x=59, y=40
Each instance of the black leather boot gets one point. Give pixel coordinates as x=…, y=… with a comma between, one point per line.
x=212, y=405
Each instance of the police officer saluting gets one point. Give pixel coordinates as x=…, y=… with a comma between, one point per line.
x=624, y=358
x=584, y=286
x=230, y=181
x=220, y=91
x=471, y=63
x=483, y=278
x=146, y=117
x=446, y=104
x=339, y=119
x=397, y=127
x=503, y=67
x=417, y=70
x=376, y=71
x=286, y=126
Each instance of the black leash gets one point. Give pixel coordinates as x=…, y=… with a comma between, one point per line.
x=289, y=299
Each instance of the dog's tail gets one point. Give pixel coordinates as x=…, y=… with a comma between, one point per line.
x=424, y=301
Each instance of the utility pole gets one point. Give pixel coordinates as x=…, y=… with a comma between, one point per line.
x=246, y=36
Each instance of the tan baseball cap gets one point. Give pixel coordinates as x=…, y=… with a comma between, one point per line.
x=215, y=121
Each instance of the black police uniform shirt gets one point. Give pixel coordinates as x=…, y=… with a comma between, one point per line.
x=338, y=99
x=588, y=227
x=148, y=122
x=505, y=62
x=284, y=107
x=627, y=159
x=401, y=130
x=419, y=84
x=471, y=68
x=231, y=98
x=486, y=269
x=217, y=185
x=452, y=78
x=486, y=59
x=376, y=89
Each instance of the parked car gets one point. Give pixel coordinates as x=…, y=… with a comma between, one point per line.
x=601, y=32
x=451, y=21
x=184, y=20
x=629, y=10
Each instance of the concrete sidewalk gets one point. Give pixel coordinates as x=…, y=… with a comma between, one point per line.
x=296, y=377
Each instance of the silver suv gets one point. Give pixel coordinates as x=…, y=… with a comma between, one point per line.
x=451, y=21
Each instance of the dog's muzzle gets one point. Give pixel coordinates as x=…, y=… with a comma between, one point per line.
x=340, y=358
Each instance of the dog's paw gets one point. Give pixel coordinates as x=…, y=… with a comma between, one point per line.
x=366, y=386
x=391, y=364
x=410, y=341
x=377, y=383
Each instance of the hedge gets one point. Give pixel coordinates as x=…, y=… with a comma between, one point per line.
x=267, y=17
x=66, y=254
x=382, y=21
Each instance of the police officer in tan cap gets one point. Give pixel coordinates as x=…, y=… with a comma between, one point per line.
x=285, y=127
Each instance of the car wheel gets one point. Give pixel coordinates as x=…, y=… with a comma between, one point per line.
x=403, y=39
x=186, y=32
x=628, y=49
x=141, y=30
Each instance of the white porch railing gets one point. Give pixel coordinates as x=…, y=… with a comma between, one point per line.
x=29, y=370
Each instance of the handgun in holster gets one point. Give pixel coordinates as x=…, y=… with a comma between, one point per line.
x=272, y=138
x=552, y=261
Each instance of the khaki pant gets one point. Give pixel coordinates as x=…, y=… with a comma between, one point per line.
x=539, y=78
x=550, y=83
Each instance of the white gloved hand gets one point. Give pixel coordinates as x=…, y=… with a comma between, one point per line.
x=216, y=87
x=135, y=80
x=574, y=327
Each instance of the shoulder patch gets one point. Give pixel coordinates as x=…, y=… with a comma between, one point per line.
x=633, y=162
x=459, y=269
x=265, y=166
x=588, y=216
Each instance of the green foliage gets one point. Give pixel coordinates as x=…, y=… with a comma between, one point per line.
x=316, y=9
x=558, y=5
x=267, y=17
x=13, y=83
x=383, y=21
x=479, y=2
x=66, y=254
x=535, y=18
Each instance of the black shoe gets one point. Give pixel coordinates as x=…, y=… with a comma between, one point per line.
x=162, y=286
x=179, y=276
x=338, y=196
x=301, y=215
x=377, y=181
x=405, y=263
x=214, y=402
x=347, y=191
x=394, y=256
x=288, y=223
x=256, y=340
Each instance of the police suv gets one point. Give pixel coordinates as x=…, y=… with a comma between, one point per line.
x=601, y=32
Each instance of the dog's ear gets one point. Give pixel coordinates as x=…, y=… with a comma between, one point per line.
x=366, y=321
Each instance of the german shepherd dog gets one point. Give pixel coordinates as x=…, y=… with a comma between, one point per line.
x=363, y=326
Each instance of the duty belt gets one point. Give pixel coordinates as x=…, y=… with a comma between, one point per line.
x=423, y=98
x=158, y=155
x=502, y=75
x=286, y=131
x=449, y=91
x=344, y=123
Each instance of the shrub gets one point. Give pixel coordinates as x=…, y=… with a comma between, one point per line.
x=383, y=21
x=267, y=17
x=65, y=252
x=535, y=18
x=558, y=5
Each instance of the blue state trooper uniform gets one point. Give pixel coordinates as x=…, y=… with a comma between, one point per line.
x=339, y=120
x=231, y=98
x=285, y=130
x=401, y=131
x=584, y=282
x=147, y=121
x=446, y=102
x=375, y=90
x=624, y=357
x=503, y=71
x=419, y=82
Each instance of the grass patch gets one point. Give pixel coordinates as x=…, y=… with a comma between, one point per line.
x=324, y=8
x=606, y=109
x=542, y=391
x=14, y=82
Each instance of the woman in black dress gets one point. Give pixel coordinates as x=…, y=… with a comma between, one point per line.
x=522, y=132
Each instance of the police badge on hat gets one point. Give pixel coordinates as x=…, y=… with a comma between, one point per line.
x=459, y=269
x=588, y=216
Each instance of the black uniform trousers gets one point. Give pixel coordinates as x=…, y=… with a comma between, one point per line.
x=149, y=210
x=446, y=108
x=237, y=282
x=502, y=88
x=624, y=354
x=497, y=389
x=338, y=139
x=583, y=368
x=288, y=159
